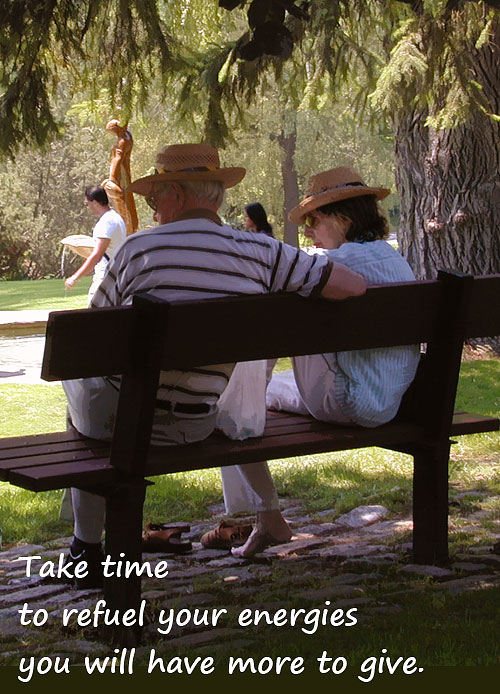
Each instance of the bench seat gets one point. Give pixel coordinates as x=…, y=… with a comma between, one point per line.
x=65, y=459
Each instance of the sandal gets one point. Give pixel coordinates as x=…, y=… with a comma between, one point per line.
x=165, y=538
x=226, y=535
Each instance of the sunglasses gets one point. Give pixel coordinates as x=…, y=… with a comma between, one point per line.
x=310, y=221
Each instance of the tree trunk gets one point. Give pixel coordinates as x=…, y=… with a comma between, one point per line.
x=449, y=187
x=450, y=196
x=287, y=142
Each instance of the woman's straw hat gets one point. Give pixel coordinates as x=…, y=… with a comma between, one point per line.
x=331, y=186
x=191, y=162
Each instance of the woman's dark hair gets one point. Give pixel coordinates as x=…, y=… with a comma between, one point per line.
x=258, y=216
x=97, y=193
x=367, y=221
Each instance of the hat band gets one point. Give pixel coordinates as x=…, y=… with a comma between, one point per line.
x=194, y=168
x=340, y=185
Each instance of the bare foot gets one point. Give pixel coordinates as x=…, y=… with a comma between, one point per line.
x=258, y=541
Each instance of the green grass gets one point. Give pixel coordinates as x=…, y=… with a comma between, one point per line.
x=43, y=294
x=334, y=481
x=437, y=628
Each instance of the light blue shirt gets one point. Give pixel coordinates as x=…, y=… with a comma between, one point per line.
x=370, y=384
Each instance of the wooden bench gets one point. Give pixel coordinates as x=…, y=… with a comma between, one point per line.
x=136, y=341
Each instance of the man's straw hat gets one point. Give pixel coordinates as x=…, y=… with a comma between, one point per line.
x=331, y=186
x=191, y=162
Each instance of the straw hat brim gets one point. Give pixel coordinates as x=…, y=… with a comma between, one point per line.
x=229, y=177
x=312, y=202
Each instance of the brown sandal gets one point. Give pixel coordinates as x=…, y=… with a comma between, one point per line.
x=226, y=535
x=165, y=538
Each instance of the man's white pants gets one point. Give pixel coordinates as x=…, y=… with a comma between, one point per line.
x=92, y=404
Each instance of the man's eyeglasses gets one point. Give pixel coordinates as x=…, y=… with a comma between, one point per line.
x=152, y=202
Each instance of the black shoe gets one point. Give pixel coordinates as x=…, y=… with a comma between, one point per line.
x=94, y=577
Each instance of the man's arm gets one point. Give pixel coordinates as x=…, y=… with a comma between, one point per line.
x=342, y=283
x=88, y=266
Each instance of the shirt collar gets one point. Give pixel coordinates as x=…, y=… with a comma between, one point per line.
x=199, y=213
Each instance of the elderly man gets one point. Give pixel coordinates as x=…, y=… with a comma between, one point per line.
x=191, y=255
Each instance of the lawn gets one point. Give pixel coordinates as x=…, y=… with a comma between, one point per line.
x=334, y=481
x=42, y=294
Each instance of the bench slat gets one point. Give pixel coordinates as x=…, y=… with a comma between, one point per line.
x=286, y=435
x=198, y=456
x=29, y=461
x=46, y=443
x=43, y=478
x=468, y=423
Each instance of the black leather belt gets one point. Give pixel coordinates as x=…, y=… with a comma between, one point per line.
x=183, y=407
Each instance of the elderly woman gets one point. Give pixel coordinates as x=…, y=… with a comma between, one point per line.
x=365, y=387
x=342, y=218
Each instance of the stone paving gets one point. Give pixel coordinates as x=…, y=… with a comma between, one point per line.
x=22, y=340
x=360, y=560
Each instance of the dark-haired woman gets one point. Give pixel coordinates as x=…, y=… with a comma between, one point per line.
x=255, y=219
x=342, y=218
x=364, y=387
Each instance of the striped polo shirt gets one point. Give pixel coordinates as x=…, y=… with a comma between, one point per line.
x=199, y=259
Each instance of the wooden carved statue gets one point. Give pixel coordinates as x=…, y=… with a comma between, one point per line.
x=120, y=177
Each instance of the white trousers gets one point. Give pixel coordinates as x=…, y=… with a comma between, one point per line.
x=250, y=488
x=315, y=376
x=92, y=404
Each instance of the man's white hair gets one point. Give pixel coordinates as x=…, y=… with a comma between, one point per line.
x=211, y=191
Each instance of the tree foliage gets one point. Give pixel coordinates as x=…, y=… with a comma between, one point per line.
x=404, y=52
x=115, y=45
x=180, y=69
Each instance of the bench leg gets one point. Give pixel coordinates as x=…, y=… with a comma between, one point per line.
x=123, y=542
x=430, y=504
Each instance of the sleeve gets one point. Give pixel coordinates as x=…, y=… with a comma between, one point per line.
x=104, y=227
x=108, y=292
x=293, y=270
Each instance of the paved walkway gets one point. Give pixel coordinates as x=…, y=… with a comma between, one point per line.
x=21, y=346
x=360, y=560
x=16, y=322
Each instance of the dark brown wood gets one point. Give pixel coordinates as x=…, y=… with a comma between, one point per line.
x=73, y=356
x=42, y=478
x=484, y=319
x=124, y=506
x=438, y=390
x=139, y=384
x=59, y=440
x=285, y=435
x=264, y=326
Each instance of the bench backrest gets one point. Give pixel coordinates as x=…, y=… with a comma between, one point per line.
x=259, y=326
x=151, y=334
